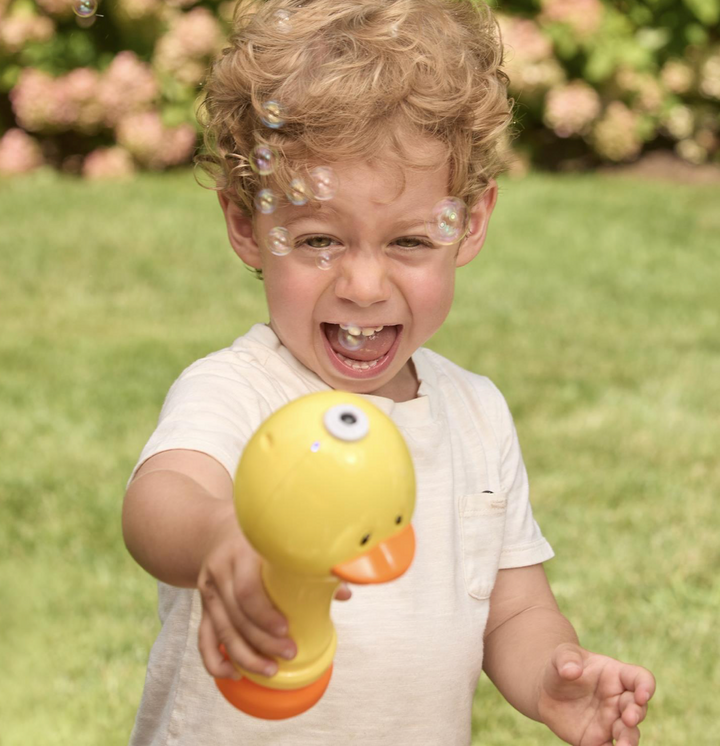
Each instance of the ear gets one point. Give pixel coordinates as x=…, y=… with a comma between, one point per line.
x=240, y=232
x=479, y=220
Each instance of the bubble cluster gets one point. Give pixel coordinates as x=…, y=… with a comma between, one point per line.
x=323, y=183
x=282, y=20
x=266, y=201
x=262, y=160
x=273, y=114
x=351, y=338
x=279, y=241
x=84, y=8
x=448, y=221
x=298, y=192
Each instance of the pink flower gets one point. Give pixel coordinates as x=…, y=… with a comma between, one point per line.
x=583, y=16
x=677, y=76
x=185, y=51
x=108, y=163
x=21, y=28
x=80, y=87
x=153, y=144
x=570, y=109
x=127, y=85
x=529, y=57
x=38, y=102
x=615, y=136
x=19, y=153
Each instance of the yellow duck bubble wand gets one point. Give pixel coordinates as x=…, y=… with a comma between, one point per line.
x=324, y=492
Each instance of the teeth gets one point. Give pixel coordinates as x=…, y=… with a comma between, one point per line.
x=356, y=364
x=356, y=331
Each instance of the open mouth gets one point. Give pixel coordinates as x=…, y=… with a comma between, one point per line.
x=361, y=352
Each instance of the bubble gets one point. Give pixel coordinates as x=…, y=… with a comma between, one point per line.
x=84, y=8
x=324, y=260
x=279, y=241
x=298, y=192
x=262, y=160
x=266, y=201
x=351, y=338
x=323, y=183
x=448, y=221
x=273, y=115
x=282, y=20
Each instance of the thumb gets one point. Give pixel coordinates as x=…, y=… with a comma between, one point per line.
x=568, y=661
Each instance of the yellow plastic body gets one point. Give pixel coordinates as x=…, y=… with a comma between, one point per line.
x=317, y=508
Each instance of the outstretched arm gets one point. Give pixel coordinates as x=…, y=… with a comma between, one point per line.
x=533, y=657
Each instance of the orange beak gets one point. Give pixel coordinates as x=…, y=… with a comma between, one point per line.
x=384, y=562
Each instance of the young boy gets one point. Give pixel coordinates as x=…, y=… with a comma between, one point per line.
x=401, y=105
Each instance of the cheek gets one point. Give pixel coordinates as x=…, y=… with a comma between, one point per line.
x=431, y=294
x=291, y=293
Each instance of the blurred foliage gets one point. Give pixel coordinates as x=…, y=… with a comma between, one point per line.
x=594, y=81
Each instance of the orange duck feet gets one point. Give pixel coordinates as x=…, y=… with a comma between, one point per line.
x=272, y=704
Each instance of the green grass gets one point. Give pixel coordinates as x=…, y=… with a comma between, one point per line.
x=593, y=306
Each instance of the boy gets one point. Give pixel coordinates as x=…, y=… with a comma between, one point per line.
x=401, y=105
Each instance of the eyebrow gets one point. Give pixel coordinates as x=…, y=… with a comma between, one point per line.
x=325, y=214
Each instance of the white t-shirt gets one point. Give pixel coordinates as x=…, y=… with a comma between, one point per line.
x=409, y=652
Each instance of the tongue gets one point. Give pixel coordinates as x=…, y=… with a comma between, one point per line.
x=372, y=348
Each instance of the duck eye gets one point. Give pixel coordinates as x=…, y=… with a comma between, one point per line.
x=346, y=422
x=398, y=520
x=365, y=539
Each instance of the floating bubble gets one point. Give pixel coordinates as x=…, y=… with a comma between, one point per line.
x=266, y=201
x=273, y=115
x=298, y=192
x=324, y=260
x=282, y=20
x=262, y=160
x=279, y=241
x=84, y=8
x=448, y=221
x=351, y=338
x=323, y=183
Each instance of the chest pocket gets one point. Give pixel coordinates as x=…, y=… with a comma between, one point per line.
x=482, y=525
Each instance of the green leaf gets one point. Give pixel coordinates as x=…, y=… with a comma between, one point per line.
x=706, y=11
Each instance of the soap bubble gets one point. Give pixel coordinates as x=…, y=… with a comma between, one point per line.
x=279, y=241
x=262, y=160
x=298, y=192
x=84, y=8
x=266, y=201
x=324, y=260
x=448, y=221
x=323, y=183
x=273, y=115
x=351, y=338
x=282, y=20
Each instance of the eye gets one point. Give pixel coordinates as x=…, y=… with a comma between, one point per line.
x=365, y=539
x=398, y=520
x=316, y=242
x=346, y=422
x=409, y=242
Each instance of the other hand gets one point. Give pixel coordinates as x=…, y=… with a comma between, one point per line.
x=592, y=700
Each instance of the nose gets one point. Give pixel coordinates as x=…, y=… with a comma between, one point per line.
x=363, y=279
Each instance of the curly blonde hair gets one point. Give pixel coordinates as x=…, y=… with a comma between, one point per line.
x=357, y=78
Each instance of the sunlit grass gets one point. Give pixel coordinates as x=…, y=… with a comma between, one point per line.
x=593, y=306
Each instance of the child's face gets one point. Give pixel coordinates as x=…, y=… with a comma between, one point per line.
x=389, y=274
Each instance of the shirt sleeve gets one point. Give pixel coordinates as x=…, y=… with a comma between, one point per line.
x=211, y=408
x=523, y=542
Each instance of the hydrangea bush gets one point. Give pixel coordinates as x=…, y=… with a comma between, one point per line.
x=594, y=81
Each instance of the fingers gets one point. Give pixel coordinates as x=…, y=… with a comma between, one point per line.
x=638, y=680
x=624, y=735
x=343, y=593
x=631, y=713
x=208, y=645
x=569, y=661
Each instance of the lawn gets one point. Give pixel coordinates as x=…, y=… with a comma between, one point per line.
x=594, y=307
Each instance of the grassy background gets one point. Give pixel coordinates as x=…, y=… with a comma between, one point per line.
x=594, y=306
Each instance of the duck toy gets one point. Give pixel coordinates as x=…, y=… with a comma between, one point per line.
x=324, y=492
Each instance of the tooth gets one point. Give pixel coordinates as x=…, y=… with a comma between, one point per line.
x=380, y=328
x=368, y=332
x=355, y=331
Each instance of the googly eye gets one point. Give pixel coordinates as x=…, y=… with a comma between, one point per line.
x=346, y=422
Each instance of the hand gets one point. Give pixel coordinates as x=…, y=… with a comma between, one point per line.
x=236, y=610
x=589, y=699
